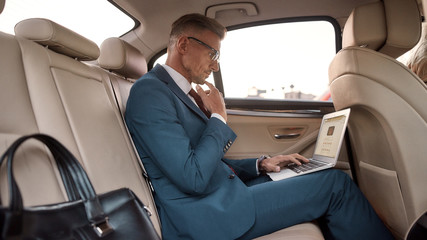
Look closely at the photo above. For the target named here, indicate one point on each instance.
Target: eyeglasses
(214, 54)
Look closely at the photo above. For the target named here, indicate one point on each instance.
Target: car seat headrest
(391, 27)
(122, 58)
(57, 38)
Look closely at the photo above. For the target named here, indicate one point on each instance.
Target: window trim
(333, 21)
(137, 23)
(156, 56)
(278, 106)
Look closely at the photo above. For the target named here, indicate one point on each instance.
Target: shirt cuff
(258, 161)
(216, 115)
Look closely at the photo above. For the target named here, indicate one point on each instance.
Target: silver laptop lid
(331, 135)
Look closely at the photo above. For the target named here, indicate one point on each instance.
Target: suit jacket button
(231, 176)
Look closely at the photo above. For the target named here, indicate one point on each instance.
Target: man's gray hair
(195, 23)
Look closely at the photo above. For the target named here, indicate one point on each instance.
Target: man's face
(200, 61)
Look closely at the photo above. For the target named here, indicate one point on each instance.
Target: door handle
(287, 136)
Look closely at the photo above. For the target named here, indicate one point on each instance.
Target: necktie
(199, 102)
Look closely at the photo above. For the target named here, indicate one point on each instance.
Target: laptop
(327, 149)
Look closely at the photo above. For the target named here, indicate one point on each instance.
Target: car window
(278, 61)
(94, 19)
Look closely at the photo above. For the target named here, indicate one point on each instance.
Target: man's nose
(215, 66)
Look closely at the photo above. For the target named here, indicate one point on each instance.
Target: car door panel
(266, 133)
(271, 135)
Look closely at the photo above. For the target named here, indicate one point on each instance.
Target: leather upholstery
(127, 65)
(57, 38)
(388, 123)
(122, 58)
(391, 27)
(303, 231)
(2, 3)
(52, 93)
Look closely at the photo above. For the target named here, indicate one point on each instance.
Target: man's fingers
(274, 164)
(200, 91)
(210, 85)
(292, 158)
(300, 158)
(296, 161)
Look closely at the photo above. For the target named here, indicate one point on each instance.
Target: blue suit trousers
(329, 196)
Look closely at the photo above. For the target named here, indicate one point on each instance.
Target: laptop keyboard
(305, 166)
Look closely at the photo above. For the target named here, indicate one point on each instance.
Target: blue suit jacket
(182, 151)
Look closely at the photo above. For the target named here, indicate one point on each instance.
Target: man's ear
(182, 44)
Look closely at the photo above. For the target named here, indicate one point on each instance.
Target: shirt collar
(180, 80)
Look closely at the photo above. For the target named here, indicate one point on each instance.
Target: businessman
(182, 136)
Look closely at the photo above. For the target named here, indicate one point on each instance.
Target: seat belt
(144, 172)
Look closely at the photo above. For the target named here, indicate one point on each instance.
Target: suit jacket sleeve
(245, 168)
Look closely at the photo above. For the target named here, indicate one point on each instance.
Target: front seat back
(2, 3)
(387, 127)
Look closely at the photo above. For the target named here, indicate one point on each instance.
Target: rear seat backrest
(55, 93)
(125, 62)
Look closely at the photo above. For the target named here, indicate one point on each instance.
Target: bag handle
(75, 179)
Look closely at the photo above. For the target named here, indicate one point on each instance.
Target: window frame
(136, 22)
(338, 39)
(282, 105)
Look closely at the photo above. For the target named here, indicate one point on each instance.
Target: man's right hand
(276, 163)
(213, 100)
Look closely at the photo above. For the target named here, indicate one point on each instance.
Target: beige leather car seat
(126, 64)
(387, 127)
(47, 88)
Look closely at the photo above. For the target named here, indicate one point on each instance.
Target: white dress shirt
(185, 86)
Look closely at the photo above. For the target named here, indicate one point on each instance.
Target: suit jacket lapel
(164, 76)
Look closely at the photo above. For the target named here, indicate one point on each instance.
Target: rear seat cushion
(58, 38)
(122, 58)
(303, 231)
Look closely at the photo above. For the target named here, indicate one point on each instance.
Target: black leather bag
(117, 214)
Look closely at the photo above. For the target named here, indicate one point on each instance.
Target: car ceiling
(155, 17)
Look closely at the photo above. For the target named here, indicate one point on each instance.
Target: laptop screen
(329, 139)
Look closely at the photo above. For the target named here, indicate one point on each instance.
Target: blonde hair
(418, 61)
